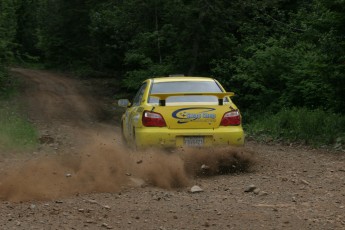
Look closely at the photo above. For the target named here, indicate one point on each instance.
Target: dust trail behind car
(89, 156)
(101, 168)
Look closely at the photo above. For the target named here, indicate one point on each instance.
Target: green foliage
(316, 127)
(108, 35)
(271, 53)
(296, 58)
(6, 83)
(152, 29)
(3, 79)
(16, 134)
(142, 69)
(63, 34)
(277, 75)
(298, 43)
(8, 27)
(26, 33)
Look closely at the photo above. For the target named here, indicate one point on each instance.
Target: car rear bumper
(163, 137)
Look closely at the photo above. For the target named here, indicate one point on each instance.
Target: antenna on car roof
(176, 75)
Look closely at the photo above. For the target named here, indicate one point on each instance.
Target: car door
(133, 113)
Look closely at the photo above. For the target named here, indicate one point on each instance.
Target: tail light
(231, 118)
(151, 119)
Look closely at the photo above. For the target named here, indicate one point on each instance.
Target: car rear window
(186, 86)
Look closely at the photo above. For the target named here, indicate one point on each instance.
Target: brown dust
(98, 162)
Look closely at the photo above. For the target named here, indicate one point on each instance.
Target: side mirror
(123, 103)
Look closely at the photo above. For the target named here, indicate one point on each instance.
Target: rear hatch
(192, 117)
(192, 111)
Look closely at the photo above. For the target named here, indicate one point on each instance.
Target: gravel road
(82, 177)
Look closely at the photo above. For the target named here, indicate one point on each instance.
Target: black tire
(124, 141)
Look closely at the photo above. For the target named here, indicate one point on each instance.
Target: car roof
(184, 78)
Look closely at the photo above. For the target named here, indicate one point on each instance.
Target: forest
(276, 55)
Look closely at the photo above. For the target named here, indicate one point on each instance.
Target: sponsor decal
(195, 114)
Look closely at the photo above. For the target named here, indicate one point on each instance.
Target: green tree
(295, 59)
(26, 33)
(63, 32)
(8, 26)
(272, 53)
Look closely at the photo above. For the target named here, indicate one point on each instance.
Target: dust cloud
(50, 177)
(99, 162)
(110, 167)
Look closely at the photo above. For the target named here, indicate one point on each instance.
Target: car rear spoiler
(163, 96)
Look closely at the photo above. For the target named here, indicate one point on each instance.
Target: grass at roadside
(16, 133)
(312, 127)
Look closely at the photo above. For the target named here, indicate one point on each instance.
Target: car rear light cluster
(152, 119)
(231, 118)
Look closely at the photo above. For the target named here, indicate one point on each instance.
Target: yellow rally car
(181, 111)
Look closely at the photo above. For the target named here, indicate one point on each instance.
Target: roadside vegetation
(300, 125)
(272, 54)
(17, 134)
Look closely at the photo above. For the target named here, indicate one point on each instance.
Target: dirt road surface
(82, 177)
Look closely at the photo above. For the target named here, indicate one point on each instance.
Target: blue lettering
(207, 115)
(193, 115)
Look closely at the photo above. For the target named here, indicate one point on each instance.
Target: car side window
(139, 96)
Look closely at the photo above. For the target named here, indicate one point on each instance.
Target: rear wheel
(133, 144)
(123, 138)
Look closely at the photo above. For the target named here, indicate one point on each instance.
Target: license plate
(193, 141)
